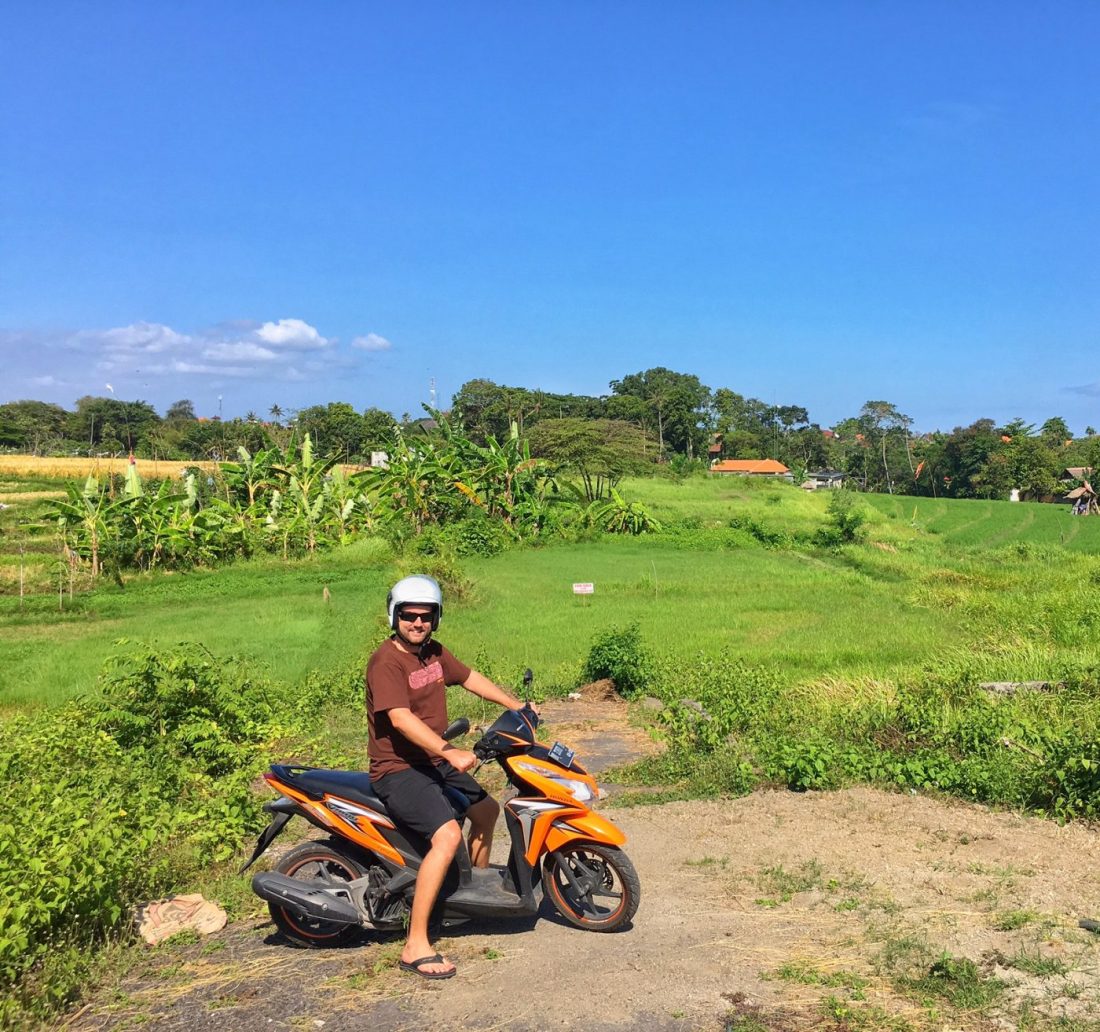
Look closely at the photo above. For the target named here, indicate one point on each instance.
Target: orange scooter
(364, 874)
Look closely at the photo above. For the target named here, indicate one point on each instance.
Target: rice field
(989, 524)
(80, 467)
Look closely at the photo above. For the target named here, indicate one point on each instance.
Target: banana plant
(418, 484)
(306, 479)
(618, 516)
(252, 474)
(87, 519)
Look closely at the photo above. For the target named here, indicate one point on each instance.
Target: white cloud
(137, 338)
(210, 369)
(237, 351)
(291, 333)
(277, 350)
(371, 342)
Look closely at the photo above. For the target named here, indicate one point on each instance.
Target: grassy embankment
(919, 590)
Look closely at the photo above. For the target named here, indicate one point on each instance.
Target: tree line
(653, 418)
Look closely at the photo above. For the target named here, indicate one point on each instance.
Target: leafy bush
(845, 521)
(767, 536)
(1034, 750)
(121, 797)
(184, 704)
(620, 655)
(478, 534)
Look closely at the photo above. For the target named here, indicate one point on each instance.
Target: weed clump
(845, 521)
(620, 655)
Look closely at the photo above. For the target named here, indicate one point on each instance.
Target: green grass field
(935, 578)
(268, 610)
(988, 524)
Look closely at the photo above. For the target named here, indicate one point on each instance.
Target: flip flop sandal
(416, 967)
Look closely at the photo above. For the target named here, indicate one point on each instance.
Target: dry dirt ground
(775, 911)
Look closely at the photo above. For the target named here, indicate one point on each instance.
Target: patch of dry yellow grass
(11, 497)
(48, 466)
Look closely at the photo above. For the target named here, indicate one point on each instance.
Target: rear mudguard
(282, 809)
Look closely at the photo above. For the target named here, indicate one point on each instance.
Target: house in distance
(752, 468)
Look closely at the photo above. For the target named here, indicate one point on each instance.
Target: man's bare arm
(480, 685)
(410, 726)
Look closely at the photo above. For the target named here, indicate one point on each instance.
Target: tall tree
(180, 410)
(677, 406)
(379, 433)
(335, 429)
(600, 451)
(31, 424)
(884, 423)
(1055, 432)
(111, 422)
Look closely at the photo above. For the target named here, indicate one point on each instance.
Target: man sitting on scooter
(411, 764)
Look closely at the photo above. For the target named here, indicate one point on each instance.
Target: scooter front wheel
(593, 887)
(321, 864)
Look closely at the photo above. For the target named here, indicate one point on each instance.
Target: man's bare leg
(483, 819)
(433, 869)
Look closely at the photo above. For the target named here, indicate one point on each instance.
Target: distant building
(752, 468)
(829, 478)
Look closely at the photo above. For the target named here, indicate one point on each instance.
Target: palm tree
(250, 417)
(276, 412)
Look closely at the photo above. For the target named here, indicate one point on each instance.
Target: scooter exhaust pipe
(297, 897)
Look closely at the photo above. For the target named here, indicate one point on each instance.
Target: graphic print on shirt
(426, 675)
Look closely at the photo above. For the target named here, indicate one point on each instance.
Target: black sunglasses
(407, 617)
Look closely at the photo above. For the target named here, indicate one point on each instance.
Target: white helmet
(417, 590)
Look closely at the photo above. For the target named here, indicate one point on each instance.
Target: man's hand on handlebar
(461, 759)
(531, 709)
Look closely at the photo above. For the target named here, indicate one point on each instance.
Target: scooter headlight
(579, 790)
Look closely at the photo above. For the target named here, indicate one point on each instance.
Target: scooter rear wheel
(315, 862)
(593, 887)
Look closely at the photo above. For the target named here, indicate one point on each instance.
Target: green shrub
(186, 704)
(120, 797)
(767, 536)
(618, 516)
(620, 655)
(845, 521)
(477, 534)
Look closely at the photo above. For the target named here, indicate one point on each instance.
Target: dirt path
(776, 911)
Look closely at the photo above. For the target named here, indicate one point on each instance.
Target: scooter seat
(348, 784)
(356, 786)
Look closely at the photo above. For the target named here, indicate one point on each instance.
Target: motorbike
(363, 875)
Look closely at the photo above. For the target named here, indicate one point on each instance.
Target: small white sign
(584, 589)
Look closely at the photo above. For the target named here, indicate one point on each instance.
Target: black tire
(315, 861)
(593, 887)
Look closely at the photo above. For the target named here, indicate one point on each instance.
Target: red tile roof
(749, 466)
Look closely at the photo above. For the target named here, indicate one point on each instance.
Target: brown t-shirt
(404, 680)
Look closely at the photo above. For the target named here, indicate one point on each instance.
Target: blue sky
(811, 203)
